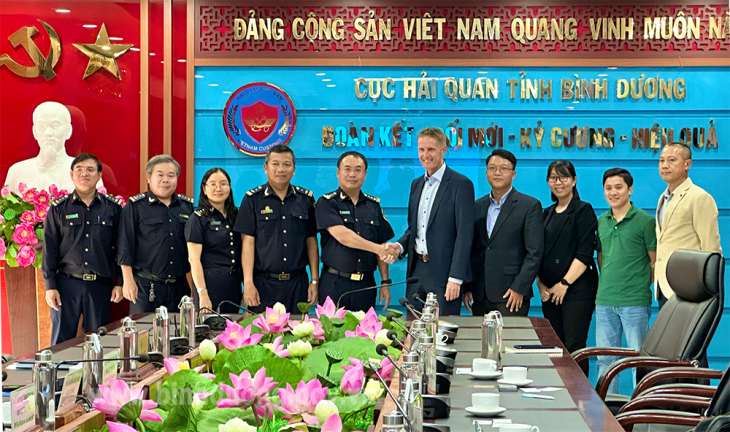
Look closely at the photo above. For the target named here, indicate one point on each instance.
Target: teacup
(441, 338)
(485, 401)
(483, 366)
(518, 428)
(516, 374)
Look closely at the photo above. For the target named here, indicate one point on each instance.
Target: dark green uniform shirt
(625, 278)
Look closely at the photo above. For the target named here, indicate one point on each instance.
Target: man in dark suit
(440, 226)
(508, 243)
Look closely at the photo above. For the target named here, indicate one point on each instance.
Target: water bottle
(93, 371)
(187, 320)
(44, 378)
(492, 337)
(393, 422)
(160, 340)
(428, 359)
(429, 318)
(410, 390)
(417, 329)
(128, 344)
(433, 302)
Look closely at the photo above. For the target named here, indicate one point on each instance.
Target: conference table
(576, 407)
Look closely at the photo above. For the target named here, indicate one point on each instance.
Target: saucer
(485, 375)
(518, 384)
(479, 412)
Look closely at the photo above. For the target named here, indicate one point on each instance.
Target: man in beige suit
(686, 216)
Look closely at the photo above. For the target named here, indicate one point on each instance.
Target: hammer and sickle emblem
(42, 65)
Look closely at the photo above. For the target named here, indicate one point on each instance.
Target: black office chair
(683, 398)
(683, 328)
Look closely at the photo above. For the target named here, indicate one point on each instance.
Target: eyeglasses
(223, 185)
(554, 179)
(500, 170)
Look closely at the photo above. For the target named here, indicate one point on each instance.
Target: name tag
(267, 210)
(184, 216)
(215, 222)
(72, 216)
(347, 212)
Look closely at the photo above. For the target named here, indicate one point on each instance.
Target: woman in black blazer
(568, 279)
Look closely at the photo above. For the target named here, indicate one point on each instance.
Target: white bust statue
(51, 128)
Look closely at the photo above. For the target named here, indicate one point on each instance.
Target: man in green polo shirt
(626, 255)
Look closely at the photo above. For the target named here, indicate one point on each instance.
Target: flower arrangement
(267, 374)
(21, 223)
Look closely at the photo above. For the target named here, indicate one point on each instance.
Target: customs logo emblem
(257, 117)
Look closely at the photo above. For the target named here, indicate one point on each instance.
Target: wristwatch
(314, 282)
(386, 282)
(565, 282)
(200, 289)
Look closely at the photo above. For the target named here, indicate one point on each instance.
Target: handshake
(389, 252)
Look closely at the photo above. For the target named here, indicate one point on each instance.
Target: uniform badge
(184, 216)
(215, 222)
(267, 210)
(347, 212)
(72, 216)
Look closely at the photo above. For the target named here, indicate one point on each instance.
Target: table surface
(576, 403)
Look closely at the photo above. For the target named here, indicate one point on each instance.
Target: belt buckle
(88, 277)
(356, 276)
(284, 276)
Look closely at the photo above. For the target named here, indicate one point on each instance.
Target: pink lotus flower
(355, 363)
(235, 336)
(28, 217)
(277, 348)
(173, 365)
(2, 219)
(42, 199)
(300, 404)
(247, 392)
(117, 394)
(3, 249)
(22, 187)
(30, 195)
(40, 213)
(352, 380)
(102, 190)
(53, 189)
(26, 256)
(120, 427)
(332, 424)
(271, 322)
(5, 191)
(386, 366)
(368, 327)
(24, 235)
(330, 310)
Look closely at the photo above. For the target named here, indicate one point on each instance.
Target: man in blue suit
(440, 226)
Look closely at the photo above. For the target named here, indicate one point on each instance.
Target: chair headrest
(695, 275)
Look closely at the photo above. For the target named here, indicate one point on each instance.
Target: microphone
(392, 318)
(395, 400)
(28, 364)
(405, 304)
(407, 281)
(383, 351)
(418, 298)
(102, 331)
(394, 337)
(5, 375)
(236, 305)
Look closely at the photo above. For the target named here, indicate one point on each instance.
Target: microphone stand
(395, 400)
(408, 281)
(404, 302)
(236, 305)
(390, 317)
(383, 351)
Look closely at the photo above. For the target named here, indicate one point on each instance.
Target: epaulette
(304, 191)
(372, 198)
(186, 198)
(137, 197)
(113, 199)
(59, 201)
(255, 190)
(199, 212)
(330, 195)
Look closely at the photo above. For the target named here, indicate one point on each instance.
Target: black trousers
(428, 282)
(485, 306)
(288, 292)
(334, 286)
(222, 283)
(571, 321)
(168, 295)
(90, 298)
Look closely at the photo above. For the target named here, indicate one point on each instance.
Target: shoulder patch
(137, 197)
(199, 212)
(255, 190)
(113, 199)
(303, 191)
(330, 195)
(186, 198)
(372, 198)
(59, 201)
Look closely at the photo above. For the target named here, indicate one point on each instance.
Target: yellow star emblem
(103, 54)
